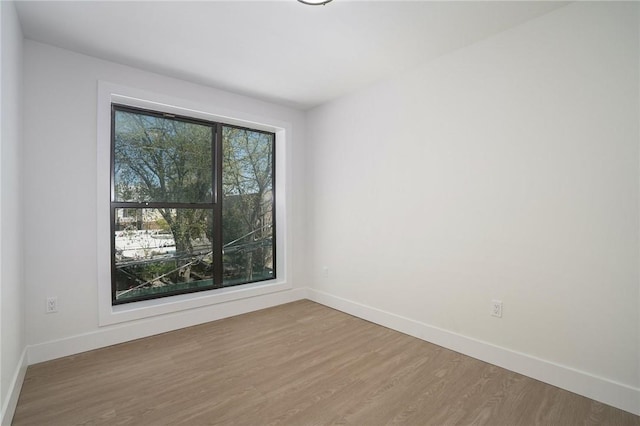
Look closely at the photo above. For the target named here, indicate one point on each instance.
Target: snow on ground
(144, 244)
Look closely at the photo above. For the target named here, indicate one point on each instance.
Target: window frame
(215, 205)
(274, 218)
(200, 304)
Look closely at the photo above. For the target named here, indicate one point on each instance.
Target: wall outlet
(52, 305)
(325, 271)
(496, 308)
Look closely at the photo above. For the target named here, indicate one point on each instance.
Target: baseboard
(125, 332)
(600, 389)
(10, 403)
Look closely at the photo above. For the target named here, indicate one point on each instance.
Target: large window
(192, 205)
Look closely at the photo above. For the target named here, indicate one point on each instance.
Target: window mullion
(161, 205)
(217, 209)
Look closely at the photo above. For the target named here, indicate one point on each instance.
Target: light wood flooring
(295, 364)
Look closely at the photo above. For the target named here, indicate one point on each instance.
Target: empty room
(320, 212)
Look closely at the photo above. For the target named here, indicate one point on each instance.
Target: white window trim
(109, 93)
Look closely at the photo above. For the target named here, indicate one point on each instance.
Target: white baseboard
(125, 332)
(11, 401)
(600, 389)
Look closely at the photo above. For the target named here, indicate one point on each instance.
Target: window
(192, 205)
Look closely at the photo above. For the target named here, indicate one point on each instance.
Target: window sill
(148, 308)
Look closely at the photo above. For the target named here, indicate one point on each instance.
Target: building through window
(192, 205)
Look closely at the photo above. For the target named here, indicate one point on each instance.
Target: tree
(167, 160)
(248, 196)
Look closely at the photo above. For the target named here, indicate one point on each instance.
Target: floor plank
(296, 364)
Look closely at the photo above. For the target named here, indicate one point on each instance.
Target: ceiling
(280, 51)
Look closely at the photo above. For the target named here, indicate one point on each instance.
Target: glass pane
(161, 159)
(247, 206)
(162, 250)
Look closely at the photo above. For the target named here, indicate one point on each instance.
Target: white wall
(508, 170)
(60, 209)
(12, 324)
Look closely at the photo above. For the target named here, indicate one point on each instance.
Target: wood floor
(295, 364)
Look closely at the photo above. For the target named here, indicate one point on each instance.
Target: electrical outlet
(52, 305)
(496, 308)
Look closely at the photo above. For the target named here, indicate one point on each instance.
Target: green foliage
(162, 224)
